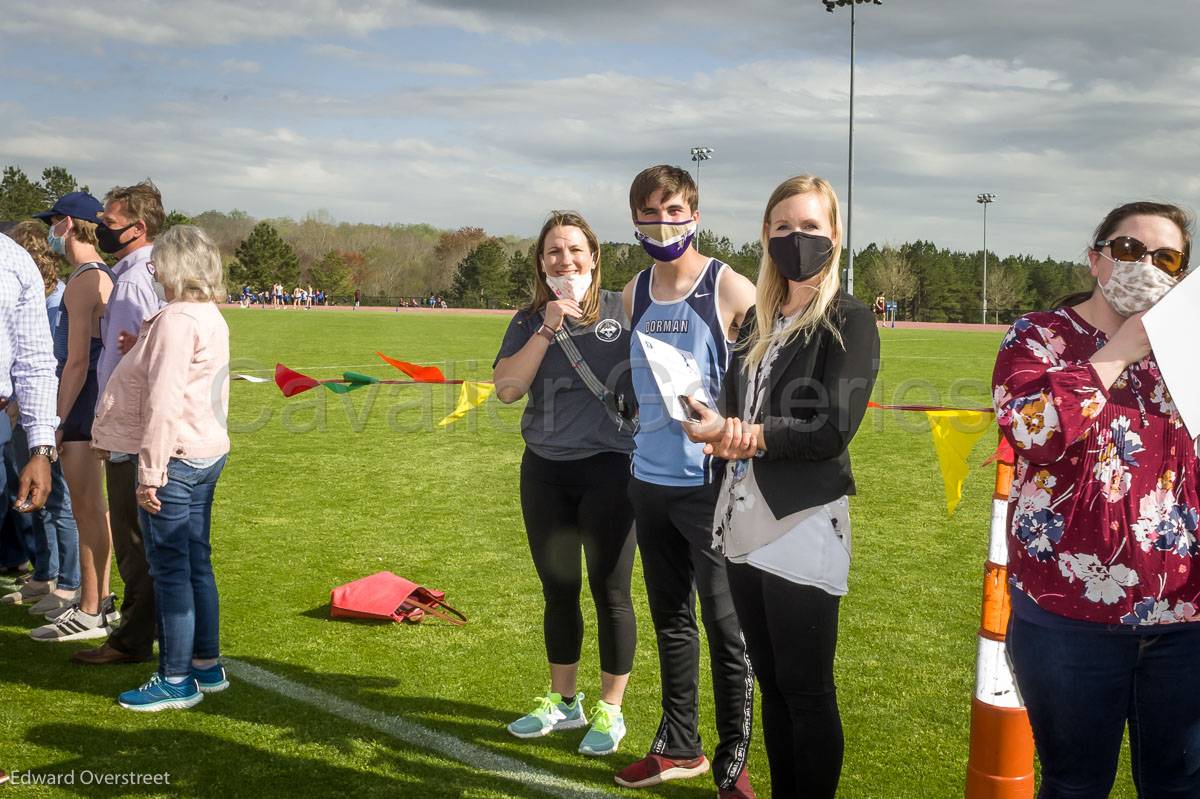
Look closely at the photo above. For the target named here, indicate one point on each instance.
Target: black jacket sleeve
(844, 390)
(729, 403)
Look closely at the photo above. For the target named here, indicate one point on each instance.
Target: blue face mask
(57, 243)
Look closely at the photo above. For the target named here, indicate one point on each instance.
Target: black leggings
(791, 635)
(573, 504)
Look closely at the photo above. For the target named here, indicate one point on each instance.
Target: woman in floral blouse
(1103, 556)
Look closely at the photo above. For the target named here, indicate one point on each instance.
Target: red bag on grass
(391, 597)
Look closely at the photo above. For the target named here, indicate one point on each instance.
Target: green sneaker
(608, 728)
(550, 714)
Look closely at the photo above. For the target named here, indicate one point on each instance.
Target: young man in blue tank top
(694, 303)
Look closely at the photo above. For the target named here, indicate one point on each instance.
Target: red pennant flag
(292, 383)
(421, 374)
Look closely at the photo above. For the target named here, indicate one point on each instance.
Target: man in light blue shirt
(27, 368)
(134, 298)
(132, 217)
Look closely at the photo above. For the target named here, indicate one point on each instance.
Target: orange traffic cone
(1000, 765)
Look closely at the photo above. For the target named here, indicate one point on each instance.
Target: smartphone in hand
(688, 411)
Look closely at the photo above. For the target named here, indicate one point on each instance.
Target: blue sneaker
(158, 694)
(608, 728)
(550, 714)
(211, 680)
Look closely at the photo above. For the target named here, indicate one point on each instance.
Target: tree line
(472, 268)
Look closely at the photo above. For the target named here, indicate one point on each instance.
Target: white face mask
(1134, 287)
(569, 287)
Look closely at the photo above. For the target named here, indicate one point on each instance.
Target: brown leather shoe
(105, 655)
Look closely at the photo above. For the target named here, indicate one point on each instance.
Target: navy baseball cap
(78, 204)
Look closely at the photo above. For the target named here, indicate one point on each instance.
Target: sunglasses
(1127, 248)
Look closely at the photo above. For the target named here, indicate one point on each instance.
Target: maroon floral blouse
(1104, 504)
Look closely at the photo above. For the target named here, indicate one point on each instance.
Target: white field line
(437, 743)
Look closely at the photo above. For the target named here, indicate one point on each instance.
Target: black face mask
(799, 256)
(109, 238)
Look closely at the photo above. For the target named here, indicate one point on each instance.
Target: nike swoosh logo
(705, 294)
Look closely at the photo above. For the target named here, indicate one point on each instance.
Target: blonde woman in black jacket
(794, 396)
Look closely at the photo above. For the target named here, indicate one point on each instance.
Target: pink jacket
(169, 395)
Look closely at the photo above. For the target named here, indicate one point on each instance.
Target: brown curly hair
(32, 236)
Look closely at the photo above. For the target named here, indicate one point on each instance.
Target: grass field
(321, 489)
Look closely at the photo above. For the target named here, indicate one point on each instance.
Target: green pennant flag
(354, 380)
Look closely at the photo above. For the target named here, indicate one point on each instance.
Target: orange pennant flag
(422, 374)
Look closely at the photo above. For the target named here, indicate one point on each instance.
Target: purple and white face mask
(665, 241)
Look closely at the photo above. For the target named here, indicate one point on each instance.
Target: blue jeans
(180, 558)
(1082, 685)
(55, 534)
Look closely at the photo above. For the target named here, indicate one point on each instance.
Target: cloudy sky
(492, 112)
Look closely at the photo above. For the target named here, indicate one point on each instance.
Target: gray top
(563, 420)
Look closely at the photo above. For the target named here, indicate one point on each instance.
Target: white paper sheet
(676, 374)
(1173, 326)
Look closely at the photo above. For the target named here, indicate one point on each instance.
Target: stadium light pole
(830, 5)
(985, 200)
(699, 155)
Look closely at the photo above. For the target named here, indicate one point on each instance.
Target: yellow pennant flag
(954, 436)
(471, 396)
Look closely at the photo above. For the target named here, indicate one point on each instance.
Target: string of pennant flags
(954, 431)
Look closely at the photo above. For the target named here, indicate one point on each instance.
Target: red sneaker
(740, 790)
(655, 769)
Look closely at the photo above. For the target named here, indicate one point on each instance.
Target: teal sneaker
(608, 728)
(158, 694)
(211, 680)
(550, 714)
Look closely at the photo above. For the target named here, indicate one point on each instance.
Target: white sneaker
(54, 604)
(108, 609)
(28, 594)
(72, 625)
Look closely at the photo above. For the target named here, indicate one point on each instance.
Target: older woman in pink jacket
(166, 404)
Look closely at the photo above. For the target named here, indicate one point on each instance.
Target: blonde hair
(541, 292)
(188, 262)
(141, 202)
(32, 237)
(772, 289)
(84, 231)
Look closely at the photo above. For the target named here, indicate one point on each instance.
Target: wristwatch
(547, 333)
(45, 449)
